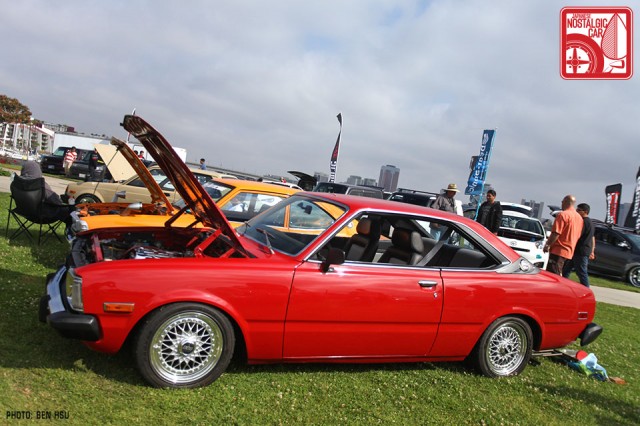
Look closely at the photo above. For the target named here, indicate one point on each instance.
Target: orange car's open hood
(157, 196)
(191, 191)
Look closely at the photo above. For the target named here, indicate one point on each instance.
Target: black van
(412, 196)
(345, 188)
(53, 163)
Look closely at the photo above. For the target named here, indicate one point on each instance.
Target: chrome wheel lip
(186, 347)
(506, 349)
(634, 276)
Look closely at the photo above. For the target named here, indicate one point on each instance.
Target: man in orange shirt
(564, 235)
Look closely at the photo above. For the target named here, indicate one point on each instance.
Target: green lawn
(40, 372)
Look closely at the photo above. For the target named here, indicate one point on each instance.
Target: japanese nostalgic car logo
(596, 43)
(513, 243)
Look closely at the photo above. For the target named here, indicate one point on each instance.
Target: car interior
(403, 240)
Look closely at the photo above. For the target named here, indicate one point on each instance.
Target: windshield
(293, 224)
(635, 239)
(335, 188)
(526, 224)
(216, 191)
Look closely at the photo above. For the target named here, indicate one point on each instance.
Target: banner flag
(478, 173)
(613, 193)
(333, 164)
(633, 217)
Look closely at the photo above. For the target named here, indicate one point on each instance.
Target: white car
(525, 235)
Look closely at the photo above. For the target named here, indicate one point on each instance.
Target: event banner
(613, 193)
(480, 166)
(633, 217)
(333, 164)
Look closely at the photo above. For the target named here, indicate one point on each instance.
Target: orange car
(240, 200)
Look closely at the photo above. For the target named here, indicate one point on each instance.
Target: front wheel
(86, 198)
(504, 348)
(634, 276)
(184, 345)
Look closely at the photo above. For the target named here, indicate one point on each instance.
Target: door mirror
(334, 257)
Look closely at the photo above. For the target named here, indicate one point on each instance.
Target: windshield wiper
(266, 237)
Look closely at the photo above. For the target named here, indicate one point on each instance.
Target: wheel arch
(240, 349)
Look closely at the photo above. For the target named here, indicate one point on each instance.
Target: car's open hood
(305, 181)
(191, 191)
(119, 146)
(119, 166)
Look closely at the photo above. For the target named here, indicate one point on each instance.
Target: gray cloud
(256, 86)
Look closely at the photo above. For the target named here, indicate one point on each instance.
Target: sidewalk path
(603, 294)
(616, 297)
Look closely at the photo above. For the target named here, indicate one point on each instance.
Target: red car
(189, 298)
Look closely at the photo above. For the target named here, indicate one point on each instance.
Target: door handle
(427, 283)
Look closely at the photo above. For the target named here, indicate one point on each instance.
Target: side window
(265, 201)
(304, 215)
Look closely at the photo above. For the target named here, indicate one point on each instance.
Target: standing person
(141, 155)
(490, 213)
(93, 165)
(444, 202)
(69, 157)
(202, 165)
(585, 248)
(566, 230)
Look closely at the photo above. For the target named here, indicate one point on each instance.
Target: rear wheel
(505, 348)
(86, 198)
(184, 345)
(634, 276)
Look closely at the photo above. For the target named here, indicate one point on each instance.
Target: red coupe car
(289, 286)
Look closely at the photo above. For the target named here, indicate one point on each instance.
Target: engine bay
(156, 243)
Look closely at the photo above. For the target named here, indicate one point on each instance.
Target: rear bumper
(54, 309)
(589, 334)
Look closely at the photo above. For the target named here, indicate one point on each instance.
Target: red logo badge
(596, 43)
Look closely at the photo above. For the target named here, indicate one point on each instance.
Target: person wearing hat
(444, 202)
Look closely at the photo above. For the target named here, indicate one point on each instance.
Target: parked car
(53, 163)
(188, 298)
(345, 188)
(617, 253)
(411, 196)
(240, 201)
(130, 190)
(80, 168)
(525, 235)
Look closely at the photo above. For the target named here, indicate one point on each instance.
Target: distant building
(538, 208)
(321, 177)
(354, 180)
(369, 182)
(389, 176)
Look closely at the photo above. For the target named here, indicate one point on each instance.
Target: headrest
(364, 226)
(407, 240)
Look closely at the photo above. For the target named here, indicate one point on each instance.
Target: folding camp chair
(27, 209)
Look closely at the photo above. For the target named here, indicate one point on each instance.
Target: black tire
(87, 198)
(633, 277)
(504, 348)
(184, 345)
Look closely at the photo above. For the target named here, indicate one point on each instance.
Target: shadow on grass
(624, 410)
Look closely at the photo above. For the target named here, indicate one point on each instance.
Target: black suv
(53, 163)
(412, 196)
(617, 253)
(345, 188)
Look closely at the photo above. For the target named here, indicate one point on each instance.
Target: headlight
(73, 286)
(539, 244)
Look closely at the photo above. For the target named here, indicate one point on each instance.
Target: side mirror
(334, 257)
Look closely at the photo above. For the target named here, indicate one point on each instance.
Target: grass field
(42, 374)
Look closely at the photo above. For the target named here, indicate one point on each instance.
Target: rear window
(334, 188)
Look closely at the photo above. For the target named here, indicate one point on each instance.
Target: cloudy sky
(256, 86)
